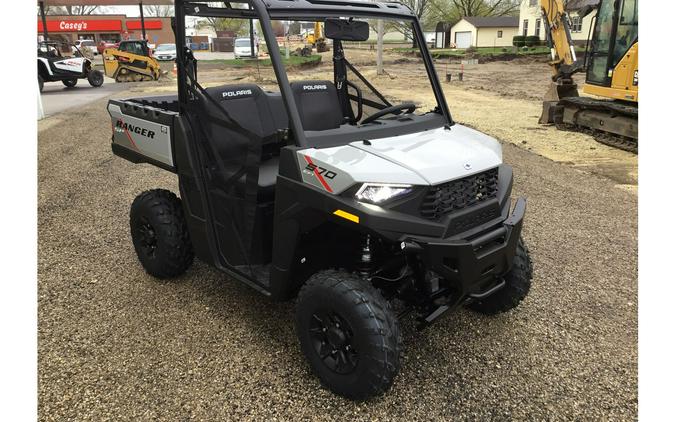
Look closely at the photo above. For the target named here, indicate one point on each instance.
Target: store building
(110, 28)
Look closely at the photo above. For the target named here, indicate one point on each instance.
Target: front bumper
(473, 266)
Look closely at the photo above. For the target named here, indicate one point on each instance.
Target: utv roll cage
(309, 10)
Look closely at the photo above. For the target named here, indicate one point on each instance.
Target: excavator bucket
(552, 111)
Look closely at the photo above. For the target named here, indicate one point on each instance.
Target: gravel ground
(115, 344)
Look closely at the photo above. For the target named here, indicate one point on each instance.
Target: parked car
(165, 52)
(106, 44)
(242, 48)
(87, 45)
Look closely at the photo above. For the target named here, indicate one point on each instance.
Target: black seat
(247, 105)
(318, 104)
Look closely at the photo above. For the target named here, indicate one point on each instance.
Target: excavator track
(605, 138)
(609, 122)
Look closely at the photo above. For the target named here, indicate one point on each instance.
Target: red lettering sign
(149, 24)
(81, 25)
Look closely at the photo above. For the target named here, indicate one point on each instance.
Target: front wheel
(70, 83)
(348, 333)
(517, 284)
(160, 234)
(95, 78)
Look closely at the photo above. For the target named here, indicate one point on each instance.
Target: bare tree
(421, 9)
(223, 24)
(454, 10)
(158, 11)
(73, 10)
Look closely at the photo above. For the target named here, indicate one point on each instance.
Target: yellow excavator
(611, 67)
(316, 38)
(131, 62)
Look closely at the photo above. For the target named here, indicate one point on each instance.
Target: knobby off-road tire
(518, 281)
(160, 234)
(70, 83)
(348, 333)
(95, 78)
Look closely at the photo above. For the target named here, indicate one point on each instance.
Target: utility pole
(140, 6)
(380, 42)
(44, 21)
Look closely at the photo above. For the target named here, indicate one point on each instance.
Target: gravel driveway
(115, 344)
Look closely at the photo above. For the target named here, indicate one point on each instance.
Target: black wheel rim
(148, 238)
(332, 339)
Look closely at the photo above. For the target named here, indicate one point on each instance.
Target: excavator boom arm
(564, 61)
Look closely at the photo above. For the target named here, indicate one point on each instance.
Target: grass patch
(292, 61)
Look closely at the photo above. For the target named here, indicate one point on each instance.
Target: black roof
(315, 8)
(578, 4)
(492, 21)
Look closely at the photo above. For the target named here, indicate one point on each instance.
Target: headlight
(376, 193)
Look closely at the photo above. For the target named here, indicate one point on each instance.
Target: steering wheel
(408, 107)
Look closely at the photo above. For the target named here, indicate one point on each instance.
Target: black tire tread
(167, 212)
(90, 78)
(518, 283)
(371, 306)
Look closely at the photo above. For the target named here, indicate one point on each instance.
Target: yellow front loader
(131, 62)
(611, 67)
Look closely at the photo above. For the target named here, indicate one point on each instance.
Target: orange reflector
(348, 216)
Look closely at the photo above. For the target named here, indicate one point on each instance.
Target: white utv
(60, 61)
(363, 210)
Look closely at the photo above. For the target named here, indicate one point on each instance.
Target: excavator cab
(612, 60)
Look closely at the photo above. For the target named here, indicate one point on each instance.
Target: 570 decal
(328, 174)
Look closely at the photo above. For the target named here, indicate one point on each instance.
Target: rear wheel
(95, 78)
(348, 333)
(41, 82)
(517, 284)
(160, 234)
(70, 82)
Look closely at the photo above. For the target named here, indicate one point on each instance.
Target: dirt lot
(115, 344)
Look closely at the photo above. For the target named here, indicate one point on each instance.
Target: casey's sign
(81, 25)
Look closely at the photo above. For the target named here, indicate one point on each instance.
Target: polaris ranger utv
(361, 208)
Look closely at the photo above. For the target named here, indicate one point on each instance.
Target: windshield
(166, 47)
(242, 42)
(398, 89)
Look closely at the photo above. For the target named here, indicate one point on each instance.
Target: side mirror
(347, 30)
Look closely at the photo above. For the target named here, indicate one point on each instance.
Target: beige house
(484, 31)
(531, 22)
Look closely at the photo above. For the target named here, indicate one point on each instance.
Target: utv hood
(424, 158)
(438, 155)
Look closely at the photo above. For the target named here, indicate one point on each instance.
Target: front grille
(459, 194)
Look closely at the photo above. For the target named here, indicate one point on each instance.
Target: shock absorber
(365, 266)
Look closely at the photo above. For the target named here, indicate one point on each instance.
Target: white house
(531, 21)
(484, 31)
